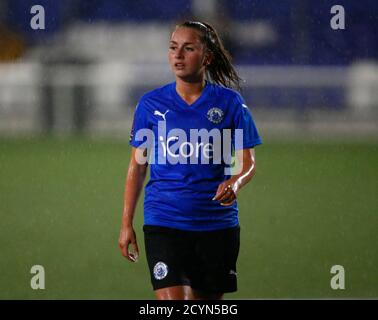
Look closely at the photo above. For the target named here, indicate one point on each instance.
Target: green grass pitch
(309, 207)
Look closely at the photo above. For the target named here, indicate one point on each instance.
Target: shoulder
(156, 94)
(227, 93)
(234, 102)
(152, 99)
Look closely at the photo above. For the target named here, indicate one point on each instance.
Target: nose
(179, 53)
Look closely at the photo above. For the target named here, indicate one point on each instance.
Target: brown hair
(220, 70)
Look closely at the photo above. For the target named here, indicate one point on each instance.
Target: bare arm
(228, 190)
(133, 186)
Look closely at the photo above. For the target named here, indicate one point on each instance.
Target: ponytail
(220, 70)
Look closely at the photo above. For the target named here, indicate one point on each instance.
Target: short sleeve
(140, 124)
(245, 133)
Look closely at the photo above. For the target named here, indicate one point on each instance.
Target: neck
(189, 91)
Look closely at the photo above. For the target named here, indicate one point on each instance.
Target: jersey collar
(196, 103)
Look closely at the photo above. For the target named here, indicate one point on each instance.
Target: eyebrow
(174, 42)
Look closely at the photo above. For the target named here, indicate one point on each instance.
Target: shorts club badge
(160, 270)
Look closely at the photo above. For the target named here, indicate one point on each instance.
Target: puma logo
(233, 272)
(158, 113)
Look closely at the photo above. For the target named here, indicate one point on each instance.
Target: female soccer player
(191, 225)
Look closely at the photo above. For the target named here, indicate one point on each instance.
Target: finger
(228, 199)
(228, 192)
(229, 202)
(124, 246)
(219, 191)
(134, 254)
(222, 189)
(124, 249)
(227, 195)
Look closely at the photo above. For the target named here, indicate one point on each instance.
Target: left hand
(226, 192)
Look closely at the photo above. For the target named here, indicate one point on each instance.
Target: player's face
(187, 54)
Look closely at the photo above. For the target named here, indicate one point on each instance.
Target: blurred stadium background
(67, 96)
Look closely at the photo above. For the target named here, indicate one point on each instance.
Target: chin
(182, 72)
(182, 75)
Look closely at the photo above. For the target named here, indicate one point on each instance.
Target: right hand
(127, 237)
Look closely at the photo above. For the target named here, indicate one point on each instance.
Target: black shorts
(204, 260)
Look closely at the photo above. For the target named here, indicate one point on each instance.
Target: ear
(208, 59)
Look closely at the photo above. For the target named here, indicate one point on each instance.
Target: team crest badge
(160, 270)
(215, 115)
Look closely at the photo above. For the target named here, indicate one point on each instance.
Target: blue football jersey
(190, 149)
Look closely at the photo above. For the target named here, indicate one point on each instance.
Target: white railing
(101, 97)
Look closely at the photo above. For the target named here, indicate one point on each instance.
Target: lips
(179, 65)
